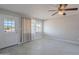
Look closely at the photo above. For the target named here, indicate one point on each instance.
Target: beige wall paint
(64, 27)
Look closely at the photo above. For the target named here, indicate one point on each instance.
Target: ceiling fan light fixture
(61, 12)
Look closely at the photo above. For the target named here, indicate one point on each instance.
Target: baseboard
(65, 40)
(69, 41)
(8, 46)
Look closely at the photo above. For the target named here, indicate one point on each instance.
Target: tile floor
(42, 47)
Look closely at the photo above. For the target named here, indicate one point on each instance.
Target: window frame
(9, 23)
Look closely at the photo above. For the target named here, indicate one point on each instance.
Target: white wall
(8, 39)
(63, 27)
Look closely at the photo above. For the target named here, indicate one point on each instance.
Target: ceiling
(36, 10)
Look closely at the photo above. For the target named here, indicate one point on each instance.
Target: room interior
(36, 29)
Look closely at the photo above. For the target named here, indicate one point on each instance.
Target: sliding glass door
(37, 29)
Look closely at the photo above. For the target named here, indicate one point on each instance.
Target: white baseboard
(69, 41)
(65, 40)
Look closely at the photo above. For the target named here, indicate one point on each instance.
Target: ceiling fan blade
(71, 9)
(52, 10)
(54, 13)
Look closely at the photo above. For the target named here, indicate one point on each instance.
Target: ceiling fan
(62, 8)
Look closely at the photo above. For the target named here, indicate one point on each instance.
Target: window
(36, 26)
(9, 25)
(33, 26)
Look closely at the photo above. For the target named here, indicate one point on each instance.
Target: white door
(9, 31)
